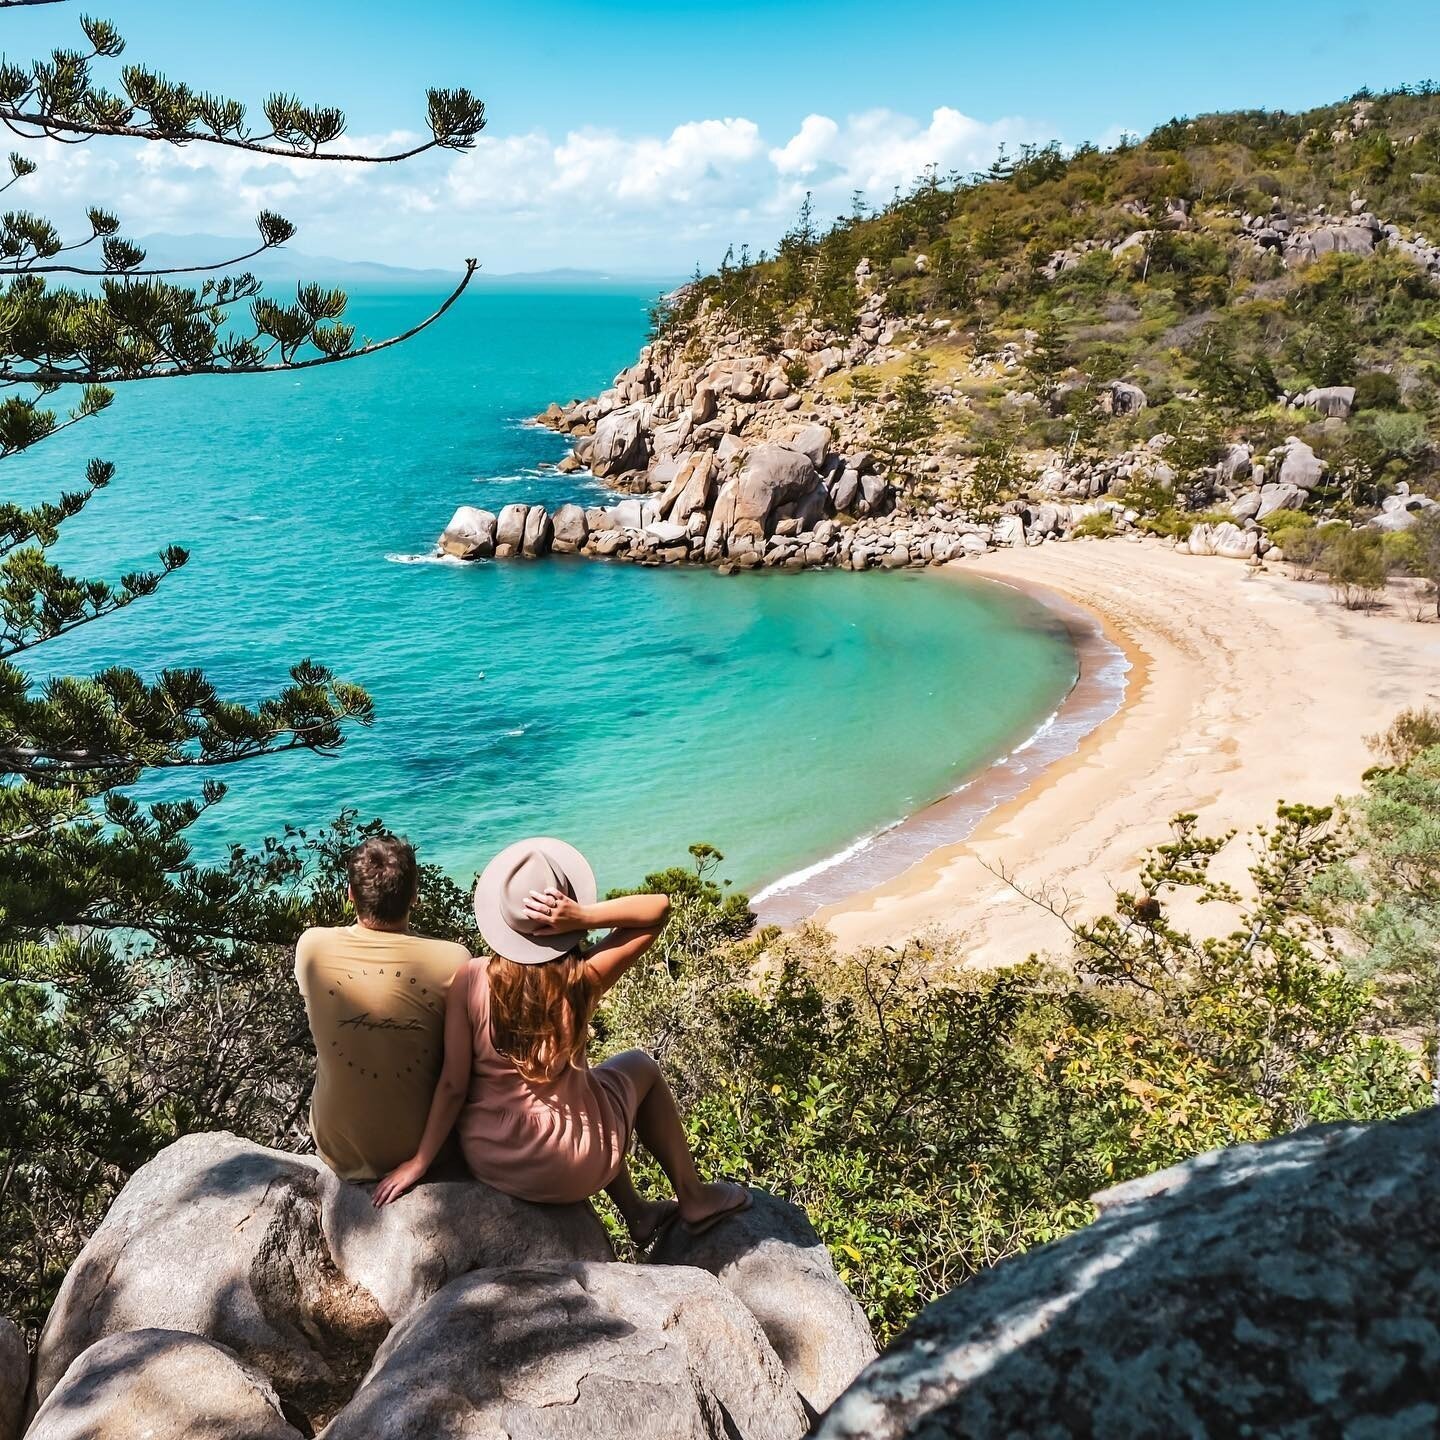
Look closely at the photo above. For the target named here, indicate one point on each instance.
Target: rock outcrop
(294, 1270)
(772, 1260)
(607, 1352)
(742, 458)
(1290, 1288)
(470, 535)
(238, 1293)
(161, 1385)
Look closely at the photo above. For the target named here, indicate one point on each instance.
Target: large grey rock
(875, 494)
(619, 444)
(1279, 496)
(628, 514)
(14, 1378)
(1247, 506)
(1223, 539)
(1306, 245)
(1335, 402)
(1234, 463)
(772, 476)
(1285, 1289)
(845, 490)
(812, 441)
(510, 527)
(470, 535)
(1300, 466)
(692, 488)
(577, 1352)
(1123, 398)
(772, 1260)
(161, 1385)
(1009, 530)
(538, 534)
(570, 529)
(293, 1269)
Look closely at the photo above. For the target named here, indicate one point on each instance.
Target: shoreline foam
(1103, 667)
(1247, 689)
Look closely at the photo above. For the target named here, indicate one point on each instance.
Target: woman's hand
(399, 1180)
(555, 913)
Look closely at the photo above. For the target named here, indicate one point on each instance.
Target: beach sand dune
(1247, 688)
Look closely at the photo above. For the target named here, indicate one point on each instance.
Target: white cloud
(810, 144)
(594, 197)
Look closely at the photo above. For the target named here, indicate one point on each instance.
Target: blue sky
(646, 137)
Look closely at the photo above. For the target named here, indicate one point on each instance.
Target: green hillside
(1225, 264)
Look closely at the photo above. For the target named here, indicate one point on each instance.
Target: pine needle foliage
(143, 993)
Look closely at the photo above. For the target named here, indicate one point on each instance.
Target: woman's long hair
(540, 1014)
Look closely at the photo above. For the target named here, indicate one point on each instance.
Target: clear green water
(631, 711)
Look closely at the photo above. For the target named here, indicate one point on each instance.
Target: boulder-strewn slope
(234, 1291)
(1224, 332)
(1290, 1288)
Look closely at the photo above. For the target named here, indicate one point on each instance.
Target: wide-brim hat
(538, 864)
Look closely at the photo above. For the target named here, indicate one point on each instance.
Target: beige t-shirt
(376, 1003)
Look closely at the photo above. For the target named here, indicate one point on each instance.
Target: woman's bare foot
(648, 1220)
(710, 1203)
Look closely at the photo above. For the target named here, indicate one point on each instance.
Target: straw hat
(539, 864)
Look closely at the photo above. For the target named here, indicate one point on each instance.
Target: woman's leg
(643, 1218)
(657, 1122)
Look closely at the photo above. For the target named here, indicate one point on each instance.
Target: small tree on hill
(998, 470)
(908, 428)
(114, 942)
(1048, 359)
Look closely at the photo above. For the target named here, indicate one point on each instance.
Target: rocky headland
(736, 455)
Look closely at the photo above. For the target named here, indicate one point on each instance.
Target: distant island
(287, 264)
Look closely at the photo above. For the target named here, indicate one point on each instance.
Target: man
(375, 997)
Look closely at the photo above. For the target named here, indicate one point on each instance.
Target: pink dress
(554, 1143)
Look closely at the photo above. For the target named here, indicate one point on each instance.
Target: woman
(535, 1119)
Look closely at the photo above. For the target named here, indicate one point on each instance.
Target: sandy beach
(1246, 688)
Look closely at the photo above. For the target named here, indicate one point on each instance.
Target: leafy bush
(1099, 526)
(1376, 390)
(933, 1121)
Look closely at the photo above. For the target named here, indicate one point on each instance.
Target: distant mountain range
(286, 264)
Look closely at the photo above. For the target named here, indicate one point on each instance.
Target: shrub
(934, 1121)
(1375, 390)
(1357, 564)
(1099, 526)
(1283, 520)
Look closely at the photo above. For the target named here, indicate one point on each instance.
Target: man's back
(376, 1003)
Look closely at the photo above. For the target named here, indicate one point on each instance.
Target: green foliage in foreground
(933, 1121)
(142, 994)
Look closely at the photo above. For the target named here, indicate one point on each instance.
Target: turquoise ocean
(782, 718)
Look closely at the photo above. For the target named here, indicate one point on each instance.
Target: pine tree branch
(55, 375)
(55, 127)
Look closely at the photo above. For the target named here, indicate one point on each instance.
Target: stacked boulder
(247, 1294)
(783, 502)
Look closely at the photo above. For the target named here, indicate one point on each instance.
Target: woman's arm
(450, 1092)
(636, 922)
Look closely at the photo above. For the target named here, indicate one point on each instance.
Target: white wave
(1040, 734)
(516, 733)
(809, 872)
(430, 558)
